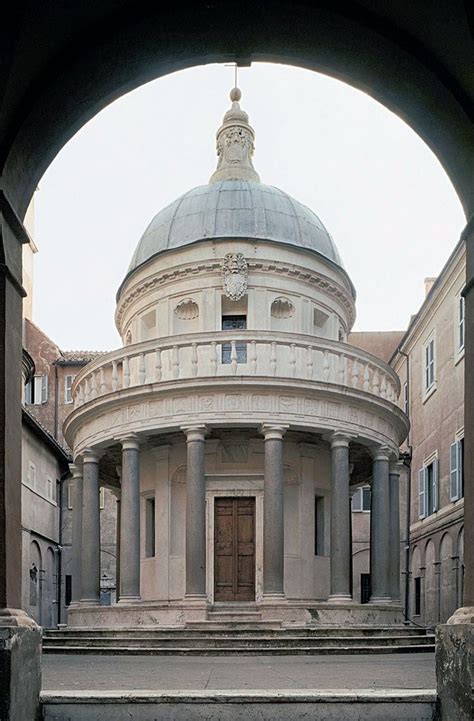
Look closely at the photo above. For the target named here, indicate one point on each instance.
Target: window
(234, 322)
(417, 596)
(461, 328)
(68, 589)
(457, 470)
(405, 398)
(429, 364)
(428, 489)
(36, 391)
(365, 589)
(361, 499)
(149, 527)
(31, 474)
(319, 526)
(68, 381)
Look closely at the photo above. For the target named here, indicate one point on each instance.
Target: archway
(35, 601)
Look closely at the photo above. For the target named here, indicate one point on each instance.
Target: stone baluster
(253, 357)
(130, 521)
(376, 383)
(141, 369)
(90, 530)
(102, 382)
(273, 509)
(366, 385)
(233, 357)
(114, 376)
(355, 374)
(341, 542)
(195, 513)
(158, 365)
(380, 527)
(126, 372)
(175, 361)
(194, 360)
(326, 366)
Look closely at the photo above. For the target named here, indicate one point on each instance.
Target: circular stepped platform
(242, 641)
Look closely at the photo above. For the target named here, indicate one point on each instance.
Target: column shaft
(130, 522)
(341, 542)
(77, 502)
(273, 513)
(394, 502)
(380, 530)
(90, 530)
(117, 553)
(195, 514)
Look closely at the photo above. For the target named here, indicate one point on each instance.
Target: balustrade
(203, 355)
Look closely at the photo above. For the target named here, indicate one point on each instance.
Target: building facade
(430, 364)
(236, 420)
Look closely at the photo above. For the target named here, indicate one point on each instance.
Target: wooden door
(234, 549)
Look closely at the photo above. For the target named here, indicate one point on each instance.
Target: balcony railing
(263, 353)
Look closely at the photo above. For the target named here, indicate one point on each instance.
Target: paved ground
(88, 672)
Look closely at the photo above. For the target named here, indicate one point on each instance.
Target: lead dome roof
(234, 204)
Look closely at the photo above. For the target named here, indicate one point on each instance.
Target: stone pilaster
(77, 502)
(130, 522)
(273, 510)
(380, 528)
(90, 530)
(341, 542)
(195, 514)
(394, 503)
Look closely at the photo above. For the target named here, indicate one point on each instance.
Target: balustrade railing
(242, 353)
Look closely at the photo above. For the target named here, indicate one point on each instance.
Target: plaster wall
(234, 466)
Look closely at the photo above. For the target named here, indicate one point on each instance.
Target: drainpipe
(60, 549)
(407, 463)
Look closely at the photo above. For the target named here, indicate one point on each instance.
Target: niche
(186, 316)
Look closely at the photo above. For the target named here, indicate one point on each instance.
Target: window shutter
(44, 388)
(454, 472)
(435, 488)
(422, 493)
(460, 445)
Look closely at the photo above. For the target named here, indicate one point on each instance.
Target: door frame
(231, 492)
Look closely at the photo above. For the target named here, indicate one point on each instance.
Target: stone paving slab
(165, 673)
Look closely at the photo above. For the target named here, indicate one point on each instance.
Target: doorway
(234, 549)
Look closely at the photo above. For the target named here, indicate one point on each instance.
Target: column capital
(90, 455)
(395, 468)
(339, 439)
(381, 453)
(130, 442)
(196, 432)
(272, 431)
(76, 469)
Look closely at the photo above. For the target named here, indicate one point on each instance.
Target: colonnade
(384, 528)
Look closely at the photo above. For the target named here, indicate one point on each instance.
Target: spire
(235, 145)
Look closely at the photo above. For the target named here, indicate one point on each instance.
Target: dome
(234, 204)
(234, 209)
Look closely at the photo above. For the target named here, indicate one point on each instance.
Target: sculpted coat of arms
(235, 271)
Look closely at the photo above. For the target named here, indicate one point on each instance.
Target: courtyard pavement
(90, 672)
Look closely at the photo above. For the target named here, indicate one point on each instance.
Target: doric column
(90, 530)
(130, 521)
(380, 527)
(273, 520)
(76, 549)
(341, 541)
(394, 502)
(195, 513)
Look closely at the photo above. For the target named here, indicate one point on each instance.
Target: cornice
(214, 267)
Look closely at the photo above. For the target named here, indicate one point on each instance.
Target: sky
(376, 186)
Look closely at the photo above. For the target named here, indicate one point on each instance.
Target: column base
(196, 599)
(128, 600)
(89, 602)
(274, 598)
(380, 599)
(340, 598)
(20, 665)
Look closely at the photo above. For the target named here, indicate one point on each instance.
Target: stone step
(241, 641)
(256, 650)
(281, 705)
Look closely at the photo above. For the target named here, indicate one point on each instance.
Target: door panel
(234, 549)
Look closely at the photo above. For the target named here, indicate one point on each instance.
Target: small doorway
(234, 549)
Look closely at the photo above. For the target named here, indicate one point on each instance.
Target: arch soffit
(414, 85)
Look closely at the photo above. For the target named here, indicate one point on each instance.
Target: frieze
(324, 283)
